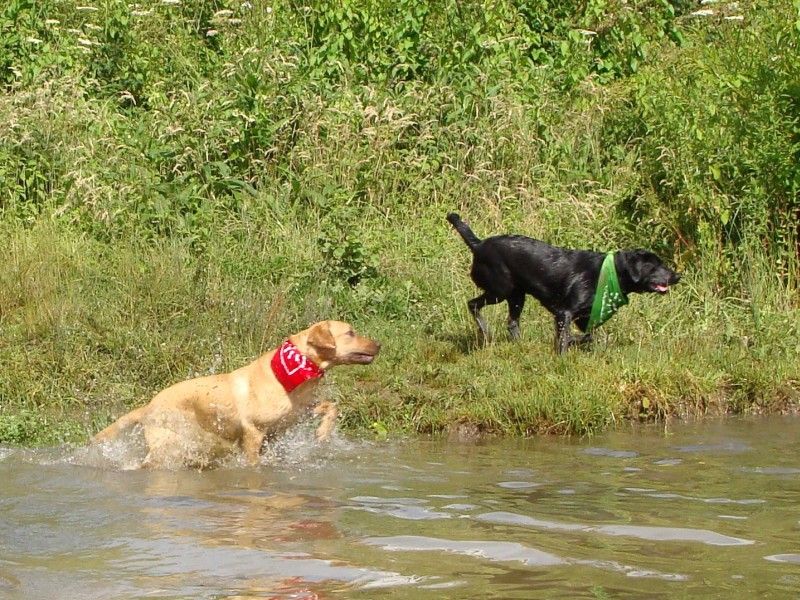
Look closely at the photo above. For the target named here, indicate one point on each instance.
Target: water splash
(297, 448)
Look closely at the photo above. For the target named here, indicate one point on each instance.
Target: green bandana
(608, 297)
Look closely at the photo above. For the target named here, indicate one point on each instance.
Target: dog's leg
(123, 423)
(252, 440)
(164, 448)
(563, 336)
(329, 413)
(475, 305)
(515, 304)
(585, 339)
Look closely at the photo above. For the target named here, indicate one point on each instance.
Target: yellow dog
(196, 421)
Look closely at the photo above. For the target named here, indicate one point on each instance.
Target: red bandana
(291, 368)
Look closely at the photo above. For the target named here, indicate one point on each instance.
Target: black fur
(507, 267)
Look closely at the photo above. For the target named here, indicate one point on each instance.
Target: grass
(174, 202)
(91, 331)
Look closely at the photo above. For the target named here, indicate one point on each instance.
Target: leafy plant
(346, 258)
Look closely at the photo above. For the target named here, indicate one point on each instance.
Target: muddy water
(702, 511)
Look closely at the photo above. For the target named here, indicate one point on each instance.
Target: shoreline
(427, 380)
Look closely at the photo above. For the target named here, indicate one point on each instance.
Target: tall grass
(181, 185)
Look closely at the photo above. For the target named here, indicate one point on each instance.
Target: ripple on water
(597, 451)
(520, 472)
(461, 507)
(495, 551)
(772, 470)
(793, 559)
(167, 557)
(505, 552)
(674, 534)
(518, 485)
(403, 508)
(658, 534)
(731, 446)
(673, 496)
(448, 496)
(668, 462)
(379, 500)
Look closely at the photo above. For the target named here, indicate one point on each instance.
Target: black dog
(506, 267)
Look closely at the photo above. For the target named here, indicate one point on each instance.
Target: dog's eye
(350, 333)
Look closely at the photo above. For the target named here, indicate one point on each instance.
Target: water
(703, 511)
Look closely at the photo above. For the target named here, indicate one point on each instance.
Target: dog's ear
(321, 339)
(635, 264)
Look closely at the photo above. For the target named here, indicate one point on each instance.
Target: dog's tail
(124, 423)
(470, 239)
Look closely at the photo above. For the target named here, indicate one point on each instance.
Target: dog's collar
(608, 296)
(292, 368)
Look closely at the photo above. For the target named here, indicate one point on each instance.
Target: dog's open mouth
(661, 288)
(360, 358)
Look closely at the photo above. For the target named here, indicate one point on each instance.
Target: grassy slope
(93, 330)
(142, 258)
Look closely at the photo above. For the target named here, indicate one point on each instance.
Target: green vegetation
(183, 183)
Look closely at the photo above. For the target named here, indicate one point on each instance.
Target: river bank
(91, 330)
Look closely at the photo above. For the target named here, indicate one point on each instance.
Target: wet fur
(196, 421)
(509, 267)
